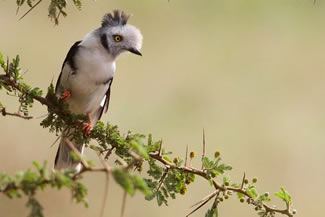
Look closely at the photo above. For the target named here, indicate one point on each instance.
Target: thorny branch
(217, 185)
(158, 156)
(4, 112)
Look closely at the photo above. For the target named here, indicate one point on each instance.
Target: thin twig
(205, 202)
(8, 81)
(109, 152)
(108, 169)
(56, 140)
(205, 198)
(7, 71)
(186, 153)
(137, 158)
(162, 179)
(123, 204)
(243, 182)
(82, 161)
(160, 148)
(30, 10)
(203, 143)
(16, 114)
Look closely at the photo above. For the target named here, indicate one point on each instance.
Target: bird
(87, 74)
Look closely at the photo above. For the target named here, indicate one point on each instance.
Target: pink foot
(66, 95)
(87, 128)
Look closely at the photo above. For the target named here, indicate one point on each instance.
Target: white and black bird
(87, 75)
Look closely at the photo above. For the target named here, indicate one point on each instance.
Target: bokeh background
(251, 73)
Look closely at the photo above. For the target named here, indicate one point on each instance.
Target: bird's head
(117, 36)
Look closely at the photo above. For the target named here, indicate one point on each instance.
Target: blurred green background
(250, 72)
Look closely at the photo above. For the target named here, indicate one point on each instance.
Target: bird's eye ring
(117, 38)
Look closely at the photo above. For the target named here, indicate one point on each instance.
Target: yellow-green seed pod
(217, 154)
(183, 191)
(192, 154)
(254, 180)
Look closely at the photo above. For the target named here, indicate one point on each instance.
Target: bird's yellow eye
(117, 38)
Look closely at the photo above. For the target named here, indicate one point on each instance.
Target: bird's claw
(66, 95)
(87, 128)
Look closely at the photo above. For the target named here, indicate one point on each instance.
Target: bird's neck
(93, 44)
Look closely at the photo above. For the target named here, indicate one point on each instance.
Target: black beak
(135, 51)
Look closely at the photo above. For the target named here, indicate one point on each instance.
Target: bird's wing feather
(104, 107)
(69, 59)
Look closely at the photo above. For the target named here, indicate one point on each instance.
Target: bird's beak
(135, 51)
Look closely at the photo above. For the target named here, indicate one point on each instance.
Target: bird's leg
(87, 126)
(66, 95)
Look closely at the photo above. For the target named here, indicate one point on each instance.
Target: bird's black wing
(106, 104)
(70, 60)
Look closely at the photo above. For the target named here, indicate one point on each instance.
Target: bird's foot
(66, 95)
(87, 128)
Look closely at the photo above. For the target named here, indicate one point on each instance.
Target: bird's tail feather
(63, 159)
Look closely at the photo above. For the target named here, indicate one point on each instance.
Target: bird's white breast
(89, 83)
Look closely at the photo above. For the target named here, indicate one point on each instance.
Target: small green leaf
(240, 195)
(261, 213)
(2, 62)
(36, 208)
(167, 159)
(207, 163)
(140, 184)
(37, 165)
(284, 195)
(124, 179)
(251, 191)
(139, 149)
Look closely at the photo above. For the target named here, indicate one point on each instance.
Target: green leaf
(167, 159)
(149, 139)
(139, 149)
(284, 195)
(213, 212)
(240, 195)
(79, 193)
(223, 167)
(226, 179)
(251, 191)
(2, 62)
(140, 184)
(37, 165)
(36, 208)
(124, 179)
(207, 163)
(235, 185)
(261, 213)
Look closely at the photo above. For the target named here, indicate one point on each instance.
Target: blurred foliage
(55, 9)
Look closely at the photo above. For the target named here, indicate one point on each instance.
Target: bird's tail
(63, 159)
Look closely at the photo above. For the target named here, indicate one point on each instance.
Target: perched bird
(87, 75)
